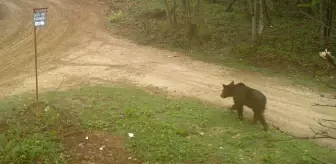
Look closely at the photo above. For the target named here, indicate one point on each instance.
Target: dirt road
(76, 46)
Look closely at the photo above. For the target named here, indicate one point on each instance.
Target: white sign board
(39, 18)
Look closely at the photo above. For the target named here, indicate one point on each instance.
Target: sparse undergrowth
(166, 131)
(26, 134)
(289, 48)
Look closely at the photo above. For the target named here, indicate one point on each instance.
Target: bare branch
(317, 104)
(328, 85)
(304, 138)
(326, 126)
(314, 158)
(328, 97)
(328, 120)
(318, 21)
(57, 89)
(321, 134)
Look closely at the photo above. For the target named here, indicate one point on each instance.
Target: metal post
(39, 19)
(36, 75)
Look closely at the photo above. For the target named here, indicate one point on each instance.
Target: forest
(277, 36)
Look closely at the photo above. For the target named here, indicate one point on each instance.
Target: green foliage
(166, 130)
(34, 148)
(27, 138)
(182, 130)
(310, 3)
(290, 46)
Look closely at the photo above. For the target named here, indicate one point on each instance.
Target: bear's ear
(232, 83)
(223, 85)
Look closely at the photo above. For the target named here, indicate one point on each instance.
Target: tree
(326, 8)
(174, 13)
(168, 13)
(326, 17)
(327, 20)
(263, 10)
(261, 16)
(186, 10)
(254, 11)
(306, 4)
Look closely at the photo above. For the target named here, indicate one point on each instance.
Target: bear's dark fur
(244, 95)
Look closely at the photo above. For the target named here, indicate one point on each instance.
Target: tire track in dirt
(61, 31)
(75, 46)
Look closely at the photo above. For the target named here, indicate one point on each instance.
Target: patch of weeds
(114, 17)
(33, 148)
(149, 6)
(30, 136)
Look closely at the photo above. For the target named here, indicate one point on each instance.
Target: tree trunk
(254, 19)
(261, 17)
(322, 20)
(328, 22)
(168, 13)
(174, 13)
(309, 9)
(198, 7)
(189, 11)
(247, 6)
(184, 6)
(198, 12)
(269, 23)
(298, 2)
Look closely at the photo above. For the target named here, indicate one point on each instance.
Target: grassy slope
(166, 130)
(288, 49)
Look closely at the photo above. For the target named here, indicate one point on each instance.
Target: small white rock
(131, 135)
(236, 136)
(86, 137)
(202, 133)
(81, 145)
(101, 148)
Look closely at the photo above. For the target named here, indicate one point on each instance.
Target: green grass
(167, 130)
(290, 49)
(23, 135)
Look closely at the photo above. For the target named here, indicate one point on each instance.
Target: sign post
(39, 22)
